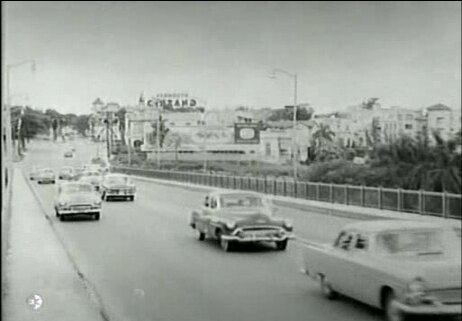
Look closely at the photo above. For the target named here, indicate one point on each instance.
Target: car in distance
(66, 173)
(33, 173)
(117, 186)
(92, 177)
(46, 175)
(68, 154)
(403, 267)
(77, 198)
(240, 217)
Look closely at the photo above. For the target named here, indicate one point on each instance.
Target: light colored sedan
(403, 267)
(76, 198)
(46, 175)
(117, 186)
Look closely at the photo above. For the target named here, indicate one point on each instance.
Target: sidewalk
(36, 263)
(341, 210)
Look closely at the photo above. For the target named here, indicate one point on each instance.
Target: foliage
(287, 114)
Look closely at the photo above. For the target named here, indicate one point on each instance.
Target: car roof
(375, 226)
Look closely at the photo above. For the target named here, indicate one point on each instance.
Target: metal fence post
(379, 197)
(361, 195)
(317, 191)
(444, 204)
(399, 199)
(265, 185)
(295, 189)
(275, 187)
(421, 211)
(331, 193)
(346, 194)
(285, 188)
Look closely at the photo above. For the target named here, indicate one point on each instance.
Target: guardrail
(444, 205)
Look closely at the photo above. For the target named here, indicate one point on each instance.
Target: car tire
(282, 245)
(392, 313)
(96, 216)
(132, 198)
(200, 235)
(52, 182)
(39, 182)
(327, 289)
(226, 245)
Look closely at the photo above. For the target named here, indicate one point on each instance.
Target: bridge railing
(445, 205)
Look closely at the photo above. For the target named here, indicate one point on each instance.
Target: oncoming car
(46, 175)
(240, 217)
(76, 198)
(117, 186)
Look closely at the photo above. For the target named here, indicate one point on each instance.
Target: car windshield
(240, 200)
(117, 180)
(76, 188)
(66, 169)
(418, 242)
(91, 174)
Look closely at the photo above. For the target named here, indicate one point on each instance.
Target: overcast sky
(407, 54)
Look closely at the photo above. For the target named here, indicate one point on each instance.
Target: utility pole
(108, 147)
(159, 118)
(129, 141)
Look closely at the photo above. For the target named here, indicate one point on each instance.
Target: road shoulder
(37, 264)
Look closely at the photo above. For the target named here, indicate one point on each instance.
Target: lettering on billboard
(246, 133)
(172, 100)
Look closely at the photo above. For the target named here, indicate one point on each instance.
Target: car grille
(260, 232)
(80, 207)
(447, 296)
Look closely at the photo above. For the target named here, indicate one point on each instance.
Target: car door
(203, 216)
(341, 270)
(366, 275)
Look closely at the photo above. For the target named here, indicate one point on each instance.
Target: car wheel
(96, 216)
(200, 235)
(132, 198)
(226, 245)
(327, 289)
(39, 182)
(392, 312)
(281, 245)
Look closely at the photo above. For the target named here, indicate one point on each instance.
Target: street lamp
(294, 153)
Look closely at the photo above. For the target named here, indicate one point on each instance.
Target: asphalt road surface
(145, 263)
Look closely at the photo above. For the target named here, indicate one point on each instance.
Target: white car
(76, 198)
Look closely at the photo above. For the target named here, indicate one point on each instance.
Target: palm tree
(322, 141)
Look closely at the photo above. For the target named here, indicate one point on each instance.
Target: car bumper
(46, 180)
(122, 194)
(257, 238)
(79, 212)
(430, 309)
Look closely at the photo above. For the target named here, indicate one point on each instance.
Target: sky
(405, 53)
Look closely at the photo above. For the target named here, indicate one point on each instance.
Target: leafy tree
(82, 124)
(152, 136)
(303, 113)
(120, 114)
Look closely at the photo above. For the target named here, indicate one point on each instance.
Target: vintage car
(117, 186)
(77, 198)
(69, 153)
(33, 173)
(239, 217)
(46, 175)
(66, 173)
(403, 267)
(92, 177)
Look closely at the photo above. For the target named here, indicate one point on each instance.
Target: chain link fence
(444, 205)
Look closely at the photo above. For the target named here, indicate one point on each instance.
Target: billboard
(174, 101)
(246, 133)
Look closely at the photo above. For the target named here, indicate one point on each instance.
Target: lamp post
(204, 142)
(294, 125)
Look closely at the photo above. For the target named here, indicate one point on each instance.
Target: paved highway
(145, 263)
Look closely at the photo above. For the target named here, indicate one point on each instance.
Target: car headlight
(231, 225)
(97, 203)
(288, 224)
(416, 286)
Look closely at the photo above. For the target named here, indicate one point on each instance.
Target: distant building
(443, 120)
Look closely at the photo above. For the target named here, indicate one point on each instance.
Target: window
(268, 149)
(344, 240)
(362, 242)
(408, 126)
(439, 120)
(213, 203)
